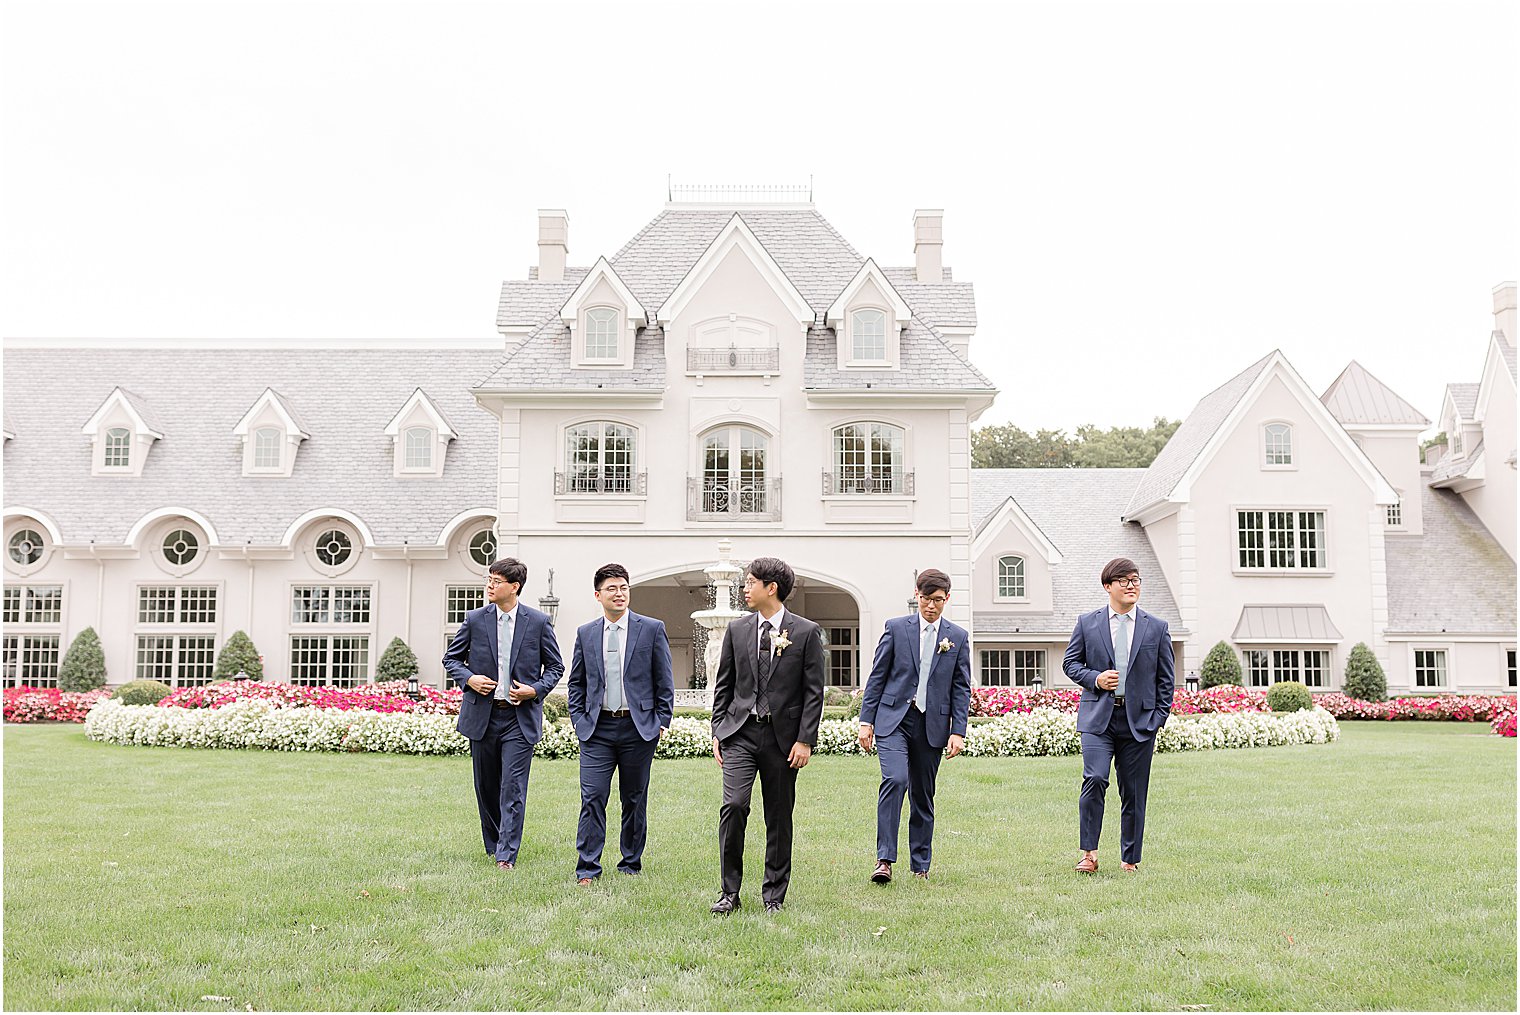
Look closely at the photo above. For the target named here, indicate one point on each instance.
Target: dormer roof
(1358, 398)
(133, 405)
(603, 271)
(868, 272)
(420, 398)
(1011, 513)
(1464, 399)
(736, 235)
(272, 399)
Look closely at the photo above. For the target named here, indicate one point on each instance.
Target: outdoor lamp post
(1038, 684)
(1192, 680)
(412, 690)
(549, 602)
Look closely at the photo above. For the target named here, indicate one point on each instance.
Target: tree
(84, 665)
(397, 662)
(1122, 447)
(238, 656)
(1364, 675)
(1219, 667)
(1008, 447)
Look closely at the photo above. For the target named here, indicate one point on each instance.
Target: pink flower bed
(48, 704)
(1450, 707)
(1503, 723)
(995, 701)
(388, 696)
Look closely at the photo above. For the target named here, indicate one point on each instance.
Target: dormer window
(419, 448)
(868, 317)
(421, 434)
(601, 334)
(1278, 440)
(868, 336)
(121, 432)
(271, 434)
(603, 317)
(1010, 577)
(267, 444)
(118, 452)
(1456, 440)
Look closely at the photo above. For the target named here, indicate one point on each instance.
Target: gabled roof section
(868, 272)
(637, 316)
(736, 235)
(420, 398)
(1010, 513)
(272, 398)
(1461, 472)
(133, 405)
(1506, 351)
(1464, 399)
(1454, 578)
(1357, 397)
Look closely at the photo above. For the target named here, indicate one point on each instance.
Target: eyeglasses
(492, 582)
(1126, 583)
(936, 600)
(752, 581)
(615, 589)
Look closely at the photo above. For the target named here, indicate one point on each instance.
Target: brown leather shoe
(583, 882)
(1087, 865)
(505, 865)
(921, 874)
(1132, 868)
(883, 872)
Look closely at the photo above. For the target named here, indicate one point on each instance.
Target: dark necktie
(763, 670)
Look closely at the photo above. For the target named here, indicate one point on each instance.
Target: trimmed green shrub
(1364, 675)
(852, 709)
(84, 664)
(1219, 667)
(556, 707)
(839, 712)
(238, 656)
(397, 662)
(693, 712)
(142, 692)
(836, 696)
(1289, 696)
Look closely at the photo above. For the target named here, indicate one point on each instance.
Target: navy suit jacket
(893, 682)
(1147, 684)
(535, 661)
(649, 690)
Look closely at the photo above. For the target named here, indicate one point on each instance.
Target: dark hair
(773, 569)
(1118, 568)
(513, 570)
(932, 579)
(608, 571)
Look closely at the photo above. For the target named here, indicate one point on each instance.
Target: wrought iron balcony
(716, 500)
(606, 481)
(710, 360)
(897, 482)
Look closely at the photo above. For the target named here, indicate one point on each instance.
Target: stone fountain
(717, 619)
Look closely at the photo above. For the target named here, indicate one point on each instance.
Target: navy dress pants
(615, 745)
(1131, 761)
(909, 766)
(501, 759)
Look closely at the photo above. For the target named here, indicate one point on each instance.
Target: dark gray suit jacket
(796, 684)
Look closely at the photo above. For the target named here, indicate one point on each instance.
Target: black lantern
(412, 690)
(1038, 683)
(549, 602)
(1192, 680)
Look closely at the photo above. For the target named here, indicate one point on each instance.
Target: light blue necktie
(925, 660)
(503, 655)
(613, 661)
(1121, 652)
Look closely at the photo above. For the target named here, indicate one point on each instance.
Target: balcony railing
(721, 500)
(612, 481)
(708, 360)
(897, 482)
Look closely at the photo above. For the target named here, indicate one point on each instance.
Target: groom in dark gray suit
(767, 703)
(1122, 657)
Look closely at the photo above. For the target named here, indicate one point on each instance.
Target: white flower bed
(253, 724)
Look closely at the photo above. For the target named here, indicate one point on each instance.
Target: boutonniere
(944, 645)
(780, 642)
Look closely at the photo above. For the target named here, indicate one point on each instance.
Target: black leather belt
(501, 703)
(763, 720)
(615, 713)
(1118, 699)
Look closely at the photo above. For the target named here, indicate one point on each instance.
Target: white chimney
(553, 244)
(1504, 311)
(928, 237)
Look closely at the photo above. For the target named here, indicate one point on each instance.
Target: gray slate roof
(1192, 437)
(1465, 397)
(345, 399)
(1078, 510)
(1455, 578)
(1455, 467)
(542, 363)
(819, 262)
(1358, 397)
(1506, 350)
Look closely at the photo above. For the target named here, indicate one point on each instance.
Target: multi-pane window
(180, 547)
(25, 546)
(599, 458)
(733, 472)
(1267, 666)
(483, 548)
(118, 451)
(1279, 441)
(601, 334)
(334, 547)
(459, 600)
(1010, 577)
(1028, 665)
(1456, 440)
(33, 604)
(419, 448)
(329, 659)
(868, 458)
(997, 667)
(179, 660)
(1509, 662)
(1396, 514)
(176, 604)
(868, 335)
(29, 660)
(1281, 540)
(268, 443)
(330, 604)
(844, 649)
(1429, 667)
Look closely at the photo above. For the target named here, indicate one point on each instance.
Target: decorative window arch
(869, 457)
(1010, 577)
(601, 456)
(419, 448)
(868, 335)
(1277, 444)
(601, 333)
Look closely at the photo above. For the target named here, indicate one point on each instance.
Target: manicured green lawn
(1378, 872)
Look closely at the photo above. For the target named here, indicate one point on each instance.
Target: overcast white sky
(1147, 196)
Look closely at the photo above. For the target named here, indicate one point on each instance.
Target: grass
(1378, 872)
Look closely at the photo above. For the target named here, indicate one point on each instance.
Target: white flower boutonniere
(781, 641)
(944, 645)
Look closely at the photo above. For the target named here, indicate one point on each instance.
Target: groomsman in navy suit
(1122, 657)
(622, 696)
(914, 708)
(505, 659)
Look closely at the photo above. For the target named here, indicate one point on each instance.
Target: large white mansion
(740, 372)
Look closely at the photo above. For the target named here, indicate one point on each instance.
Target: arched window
(118, 448)
(601, 334)
(1010, 577)
(1279, 444)
(868, 335)
(868, 458)
(734, 478)
(419, 448)
(268, 443)
(599, 457)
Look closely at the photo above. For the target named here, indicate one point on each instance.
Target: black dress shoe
(726, 904)
(773, 907)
